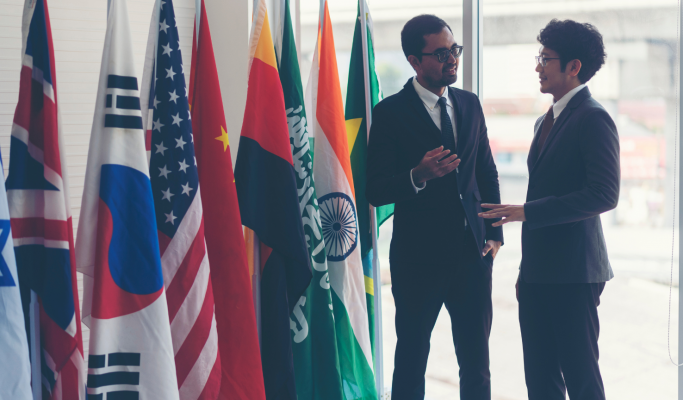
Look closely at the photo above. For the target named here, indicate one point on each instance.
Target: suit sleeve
(386, 183)
(599, 148)
(487, 179)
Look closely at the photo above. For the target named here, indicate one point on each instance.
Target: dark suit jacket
(425, 223)
(574, 180)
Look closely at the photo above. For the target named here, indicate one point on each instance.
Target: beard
(444, 79)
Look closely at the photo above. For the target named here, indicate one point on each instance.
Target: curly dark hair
(415, 30)
(575, 41)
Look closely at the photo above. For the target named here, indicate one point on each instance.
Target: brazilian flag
(363, 86)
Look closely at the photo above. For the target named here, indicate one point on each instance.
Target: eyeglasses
(543, 61)
(444, 55)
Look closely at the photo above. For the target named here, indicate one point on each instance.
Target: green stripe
(314, 341)
(357, 378)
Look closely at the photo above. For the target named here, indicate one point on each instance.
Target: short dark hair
(575, 41)
(415, 30)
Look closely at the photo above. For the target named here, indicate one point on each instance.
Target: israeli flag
(15, 368)
(124, 304)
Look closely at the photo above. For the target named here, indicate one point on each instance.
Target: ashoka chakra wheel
(340, 225)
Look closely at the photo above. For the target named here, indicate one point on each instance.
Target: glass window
(637, 86)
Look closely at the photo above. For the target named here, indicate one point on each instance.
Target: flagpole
(36, 376)
(256, 284)
(376, 275)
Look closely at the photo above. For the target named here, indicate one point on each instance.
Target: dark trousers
(419, 292)
(560, 329)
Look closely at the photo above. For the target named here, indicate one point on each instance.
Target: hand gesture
(435, 164)
(508, 213)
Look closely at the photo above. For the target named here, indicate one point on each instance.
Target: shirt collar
(429, 99)
(561, 104)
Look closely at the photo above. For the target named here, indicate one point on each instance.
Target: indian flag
(339, 216)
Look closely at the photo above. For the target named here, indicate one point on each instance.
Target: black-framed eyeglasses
(543, 61)
(444, 55)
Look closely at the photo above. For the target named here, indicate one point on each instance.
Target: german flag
(269, 206)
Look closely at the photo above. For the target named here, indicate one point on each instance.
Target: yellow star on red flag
(224, 138)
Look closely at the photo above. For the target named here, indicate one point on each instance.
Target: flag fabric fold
(179, 213)
(131, 351)
(269, 206)
(241, 374)
(339, 216)
(15, 370)
(363, 87)
(37, 193)
(316, 361)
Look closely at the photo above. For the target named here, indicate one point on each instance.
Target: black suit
(572, 180)
(434, 258)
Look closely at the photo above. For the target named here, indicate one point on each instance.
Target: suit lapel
(533, 149)
(420, 109)
(458, 117)
(578, 98)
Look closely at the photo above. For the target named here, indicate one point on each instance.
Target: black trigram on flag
(110, 374)
(122, 103)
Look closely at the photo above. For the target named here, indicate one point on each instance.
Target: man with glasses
(573, 178)
(429, 154)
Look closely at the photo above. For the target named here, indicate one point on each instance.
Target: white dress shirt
(561, 104)
(430, 101)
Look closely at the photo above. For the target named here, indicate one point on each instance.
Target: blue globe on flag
(340, 225)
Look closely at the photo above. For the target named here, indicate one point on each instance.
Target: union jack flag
(37, 192)
(179, 215)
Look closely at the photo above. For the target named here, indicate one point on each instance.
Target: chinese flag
(241, 373)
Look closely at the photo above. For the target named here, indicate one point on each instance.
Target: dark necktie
(548, 122)
(447, 136)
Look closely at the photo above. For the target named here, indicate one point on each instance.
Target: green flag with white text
(357, 132)
(314, 346)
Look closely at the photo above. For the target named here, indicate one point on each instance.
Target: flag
(242, 377)
(334, 183)
(316, 362)
(15, 370)
(179, 213)
(363, 87)
(269, 205)
(37, 193)
(124, 304)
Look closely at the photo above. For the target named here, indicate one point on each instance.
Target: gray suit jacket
(573, 180)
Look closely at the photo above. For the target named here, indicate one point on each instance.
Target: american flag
(180, 224)
(41, 218)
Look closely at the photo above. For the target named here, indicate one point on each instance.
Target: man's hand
(435, 164)
(508, 213)
(493, 246)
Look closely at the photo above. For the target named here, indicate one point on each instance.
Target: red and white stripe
(189, 294)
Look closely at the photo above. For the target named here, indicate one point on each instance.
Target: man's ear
(573, 67)
(414, 62)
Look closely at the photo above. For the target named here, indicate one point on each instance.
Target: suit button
(460, 197)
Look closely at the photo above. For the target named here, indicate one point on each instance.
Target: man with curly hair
(573, 178)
